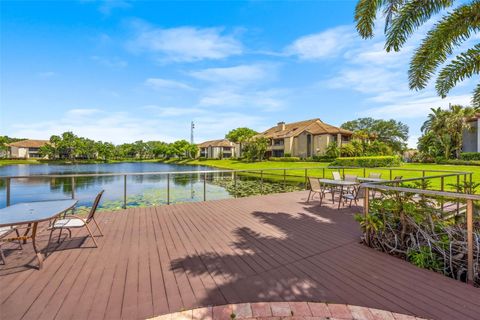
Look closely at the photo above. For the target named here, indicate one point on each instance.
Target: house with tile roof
(217, 149)
(26, 149)
(303, 138)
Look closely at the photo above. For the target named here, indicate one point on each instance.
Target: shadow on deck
(159, 260)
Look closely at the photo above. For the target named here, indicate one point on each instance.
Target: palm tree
(402, 18)
(447, 127)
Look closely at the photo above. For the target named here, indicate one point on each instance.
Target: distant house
(26, 149)
(304, 138)
(216, 149)
(471, 139)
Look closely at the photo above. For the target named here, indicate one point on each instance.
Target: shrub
(370, 162)
(322, 158)
(458, 162)
(285, 159)
(470, 156)
(287, 154)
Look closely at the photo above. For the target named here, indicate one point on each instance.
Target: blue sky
(122, 71)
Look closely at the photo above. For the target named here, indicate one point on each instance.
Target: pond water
(141, 189)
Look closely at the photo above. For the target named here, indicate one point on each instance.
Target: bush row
(458, 162)
(369, 162)
(470, 156)
(285, 159)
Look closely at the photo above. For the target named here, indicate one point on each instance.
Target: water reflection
(142, 190)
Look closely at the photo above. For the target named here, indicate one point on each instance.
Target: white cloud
(161, 123)
(324, 44)
(236, 74)
(113, 62)
(173, 111)
(159, 84)
(415, 106)
(184, 44)
(264, 100)
(82, 112)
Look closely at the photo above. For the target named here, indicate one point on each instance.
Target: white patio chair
(72, 222)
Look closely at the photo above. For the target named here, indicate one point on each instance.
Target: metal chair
(72, 222)
(357, 193)
(4, 232)
(336, 175)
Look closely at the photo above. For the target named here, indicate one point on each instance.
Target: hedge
(459, 162)
(285, 159)
(369, 162)
(470, 156)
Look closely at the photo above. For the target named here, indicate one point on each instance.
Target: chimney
(281, 126)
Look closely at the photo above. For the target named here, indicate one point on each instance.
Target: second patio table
(338, 183)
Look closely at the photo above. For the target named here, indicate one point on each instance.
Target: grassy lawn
(295, 170)
(22, 161)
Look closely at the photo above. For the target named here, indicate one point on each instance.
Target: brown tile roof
(29, 143)
(313, 126)
(215, 143)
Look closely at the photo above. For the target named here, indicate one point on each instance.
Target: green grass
(295, 170)
(22, 161)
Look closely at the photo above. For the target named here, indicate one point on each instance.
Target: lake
(141, 189)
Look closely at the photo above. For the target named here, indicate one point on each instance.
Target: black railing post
(125, 191)
(261, 181)
(73, 187)
(8, 191)
(234, 184)
(168, 188)
(204, 186)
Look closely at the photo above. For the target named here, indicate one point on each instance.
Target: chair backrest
(314, 183)
(350, 177)
(336, 175)
(360, 193)
(91, 214)
(375, 175)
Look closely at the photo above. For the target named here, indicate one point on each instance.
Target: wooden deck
(158, 260)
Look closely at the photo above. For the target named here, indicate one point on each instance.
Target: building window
(278, 153)
(278, 142)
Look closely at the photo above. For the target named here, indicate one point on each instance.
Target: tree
(403, 18)
(443, 131)
(393, 133)
(240, 135)
(332, 150)
(255, 148)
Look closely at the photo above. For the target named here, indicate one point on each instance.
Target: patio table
(30, 214)
(371, 180)
(338, 183)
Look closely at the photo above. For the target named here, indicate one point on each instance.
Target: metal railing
(301, 175)
(468, 198)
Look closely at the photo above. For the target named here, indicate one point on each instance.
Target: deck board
(159, 260)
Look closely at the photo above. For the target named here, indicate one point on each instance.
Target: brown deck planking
(158, 260)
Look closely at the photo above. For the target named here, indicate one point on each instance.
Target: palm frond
(365, 14)
(476, 97)
(411, 16)
(391, 9)
(463, 66)
(450, 32)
